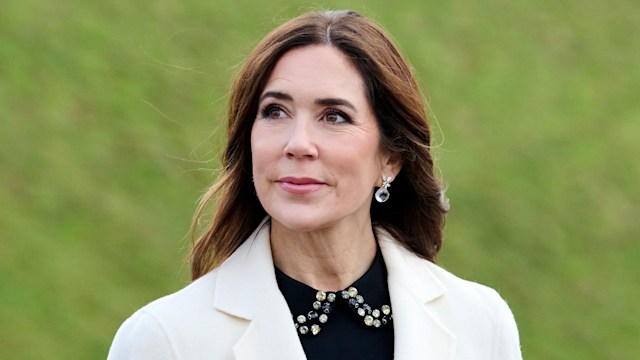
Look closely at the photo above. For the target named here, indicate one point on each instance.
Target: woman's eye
(335, 117)
(273, 112)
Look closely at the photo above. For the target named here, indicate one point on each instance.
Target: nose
(301, 143)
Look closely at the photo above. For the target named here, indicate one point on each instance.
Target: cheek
(263, 153)
(257, 146)
(359, 166)
(256, 159)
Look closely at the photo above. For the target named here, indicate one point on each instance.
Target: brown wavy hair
(413, 214)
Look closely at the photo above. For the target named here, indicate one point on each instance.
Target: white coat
(237, 312)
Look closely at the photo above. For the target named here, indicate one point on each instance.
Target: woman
(328, 219)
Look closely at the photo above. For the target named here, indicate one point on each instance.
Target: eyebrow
(334, 102)
(324, 102)
(276, 94)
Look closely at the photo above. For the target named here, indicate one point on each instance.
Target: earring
(382, 194)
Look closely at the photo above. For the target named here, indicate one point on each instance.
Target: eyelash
(347, 119)
(267, 109)
(330, 111)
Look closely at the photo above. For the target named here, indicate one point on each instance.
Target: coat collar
(246, 288)
(414, 291)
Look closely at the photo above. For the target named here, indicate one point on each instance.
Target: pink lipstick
(299, 186)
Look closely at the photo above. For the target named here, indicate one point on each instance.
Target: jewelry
(382, 194)
(325, 301)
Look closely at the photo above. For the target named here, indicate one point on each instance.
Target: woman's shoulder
(478, 301)
(476, 313)
(466, 290)
(156, 330)
(185, 303)
(195, 296)
(416, 272)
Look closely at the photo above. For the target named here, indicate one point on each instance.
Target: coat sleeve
(507, 341)
(141, 337)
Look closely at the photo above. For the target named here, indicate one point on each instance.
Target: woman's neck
(327, 259)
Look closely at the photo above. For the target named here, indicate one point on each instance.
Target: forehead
(318, 68)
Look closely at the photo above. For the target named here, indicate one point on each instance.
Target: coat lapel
(268, 336)
(246, 288)
(414, 289)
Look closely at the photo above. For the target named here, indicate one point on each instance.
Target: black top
(344, 335)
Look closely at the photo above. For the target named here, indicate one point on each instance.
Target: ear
(391, 165)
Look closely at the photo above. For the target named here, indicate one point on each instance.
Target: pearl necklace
(325, 301)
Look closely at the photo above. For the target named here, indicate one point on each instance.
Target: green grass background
(111, 118)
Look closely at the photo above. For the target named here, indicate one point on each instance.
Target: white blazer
(237, 312)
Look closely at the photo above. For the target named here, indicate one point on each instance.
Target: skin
(316, 162)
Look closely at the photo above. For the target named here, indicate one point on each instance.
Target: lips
(299, 185)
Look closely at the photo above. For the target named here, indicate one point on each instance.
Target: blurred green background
(112, 115)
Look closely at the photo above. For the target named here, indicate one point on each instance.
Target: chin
(297, 223)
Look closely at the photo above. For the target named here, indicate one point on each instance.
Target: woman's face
(315, 142)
